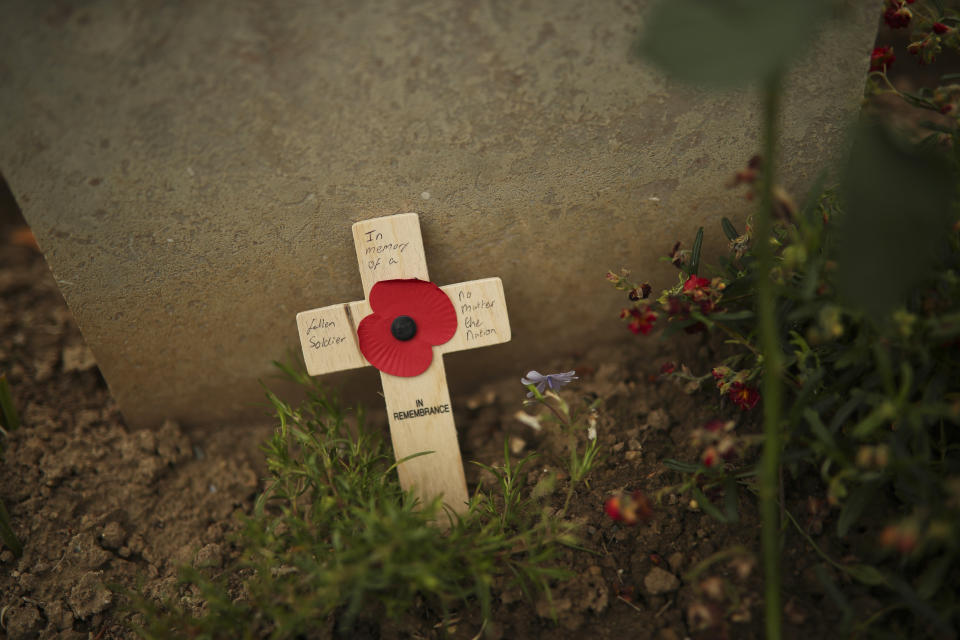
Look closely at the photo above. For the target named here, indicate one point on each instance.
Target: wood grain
(439, 472)
(481, 315)
(389, 248)
(418, 408)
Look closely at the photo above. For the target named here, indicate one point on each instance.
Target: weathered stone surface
(191, 170)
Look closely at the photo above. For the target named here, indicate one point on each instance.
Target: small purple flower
(552, 381)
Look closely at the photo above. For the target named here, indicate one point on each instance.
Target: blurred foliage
(896, 221)
(868, 290)
(729, 42)
(866, 280)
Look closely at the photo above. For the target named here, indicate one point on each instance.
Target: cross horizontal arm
(328, 335)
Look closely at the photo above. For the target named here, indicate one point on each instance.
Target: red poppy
(409, 318)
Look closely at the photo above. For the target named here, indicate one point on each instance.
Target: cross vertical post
(418, 407)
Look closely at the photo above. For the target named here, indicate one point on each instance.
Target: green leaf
(730, 500)
(728, 229)
(921, 608)
(695, 252)
(880, 415)
(545, 486)
(708, 507)
(732, 316)
(818, 428)
(931, 579)
(8, 412)
(729, 42)
(6, 532)
(696, 315)
(853, 507)
(866, 574)
(897, 221)
(835, 594)
(682, 467)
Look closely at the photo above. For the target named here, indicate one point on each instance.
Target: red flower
(641, 320)
(939, 28)
(743, 396)
(629, 509)
(409, 318)
(897, 17)
(710, 457)
(676, 306)
(881, 58)
(668, 368)
(695, 282)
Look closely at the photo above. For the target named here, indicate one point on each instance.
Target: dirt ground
(97, 503)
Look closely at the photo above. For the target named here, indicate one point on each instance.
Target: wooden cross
(418, 408)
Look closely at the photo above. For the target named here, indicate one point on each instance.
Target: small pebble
(658, 419)
(659, 581)
(113, 536)
(210, 556)
(675, 561)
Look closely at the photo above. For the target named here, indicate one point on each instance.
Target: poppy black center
(403, 328)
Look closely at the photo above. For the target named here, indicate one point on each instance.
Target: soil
(98, 504)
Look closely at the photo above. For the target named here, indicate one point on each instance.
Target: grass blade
(6, 532)
(9, 419)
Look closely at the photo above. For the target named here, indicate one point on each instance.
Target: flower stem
(772, 365)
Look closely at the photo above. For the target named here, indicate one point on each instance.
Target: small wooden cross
(418, 407)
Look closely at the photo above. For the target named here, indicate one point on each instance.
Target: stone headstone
(191, 170)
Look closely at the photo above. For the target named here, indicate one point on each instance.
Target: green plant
(576, 427)
(841, 317)
(9, 421)
(335, 541)
(871, 374)
(735, 44)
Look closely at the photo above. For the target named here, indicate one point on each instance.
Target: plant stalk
(772, 364)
